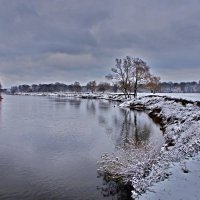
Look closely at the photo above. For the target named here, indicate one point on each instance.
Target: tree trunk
(135, 89)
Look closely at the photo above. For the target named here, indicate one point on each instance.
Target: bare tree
(141, 74)
(122, 74)
(91, 86)
(154, 84)
(77, 86)
(103, 86)
(130, 73)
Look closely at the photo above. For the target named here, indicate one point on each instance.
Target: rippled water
(49, 147)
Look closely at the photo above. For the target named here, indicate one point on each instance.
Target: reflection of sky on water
(49, 147)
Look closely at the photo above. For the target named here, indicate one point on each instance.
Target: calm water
(49, 147)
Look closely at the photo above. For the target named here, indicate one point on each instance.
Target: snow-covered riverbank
(180, 185)
(180, 120)
(187, 96)
(109, 95)
(84, 95)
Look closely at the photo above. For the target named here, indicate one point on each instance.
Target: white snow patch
(180, 185)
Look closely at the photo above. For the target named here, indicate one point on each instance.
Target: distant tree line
(182, 87)
(92, 86)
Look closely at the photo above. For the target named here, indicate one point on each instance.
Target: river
(49, 147)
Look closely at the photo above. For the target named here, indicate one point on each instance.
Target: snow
(181, 122)
(180, 185)
(88, 95)
(188, 96)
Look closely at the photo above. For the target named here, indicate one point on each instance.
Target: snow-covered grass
(182, 184)
(180, 120)
(88, 95)
(188, 96)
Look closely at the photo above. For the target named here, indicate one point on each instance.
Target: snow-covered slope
(180, 120)
(182, 184)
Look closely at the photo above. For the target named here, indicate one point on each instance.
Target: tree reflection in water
(131, 134)
(127, 128)
(75, 102)
(91, 107)
(136, 138)
(124, 126)
(132, 131)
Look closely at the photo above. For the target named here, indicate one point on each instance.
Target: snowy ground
(180, 120)
(180, 185)
(188, 96)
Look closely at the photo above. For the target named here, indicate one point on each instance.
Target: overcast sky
(44, 41)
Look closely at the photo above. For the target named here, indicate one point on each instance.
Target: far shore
(110, 95)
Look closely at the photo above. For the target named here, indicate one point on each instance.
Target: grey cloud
(93, 33)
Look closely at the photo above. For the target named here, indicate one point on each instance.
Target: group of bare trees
(101, 87)
(130, 73)
(91, 86)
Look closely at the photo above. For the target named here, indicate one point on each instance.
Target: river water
(49, 146)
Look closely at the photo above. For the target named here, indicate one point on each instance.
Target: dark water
(49, 147)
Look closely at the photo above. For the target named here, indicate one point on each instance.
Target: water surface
(49, 146)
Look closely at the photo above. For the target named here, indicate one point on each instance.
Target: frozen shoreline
(180, 122)
(187, 96)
